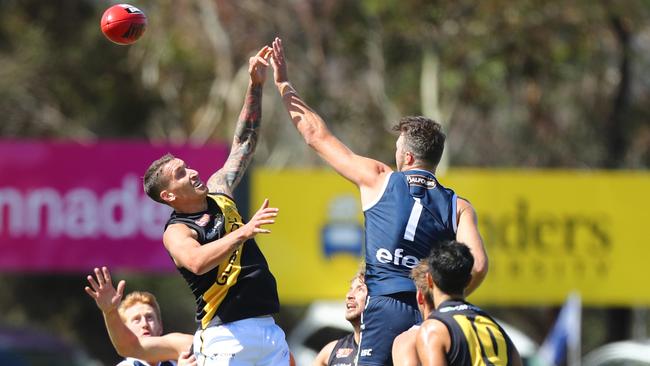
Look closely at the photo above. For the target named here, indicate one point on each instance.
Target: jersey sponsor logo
(218, 224)
(462, 307)
(203, 220)
(421, 180)
(398, 258)
(366, 352)
(343, 352)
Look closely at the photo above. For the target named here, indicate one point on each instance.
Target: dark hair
(153, 182)
(451, 265)
(423, 137)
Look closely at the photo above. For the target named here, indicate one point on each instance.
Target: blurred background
(546, 105)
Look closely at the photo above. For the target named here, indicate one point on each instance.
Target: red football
(123, 23)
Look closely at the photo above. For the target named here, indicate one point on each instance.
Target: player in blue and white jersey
(406, 212)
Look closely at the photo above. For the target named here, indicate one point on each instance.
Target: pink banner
(72, 207)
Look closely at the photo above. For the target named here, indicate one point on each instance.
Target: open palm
(102, 291)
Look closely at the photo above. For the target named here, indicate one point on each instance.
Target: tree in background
(529, 83)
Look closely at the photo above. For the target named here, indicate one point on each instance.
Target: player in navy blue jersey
(341, 352)
(406, 212)
(458, 333)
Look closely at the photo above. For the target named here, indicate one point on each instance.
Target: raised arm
(187, 252)
(362, 171)
(468, 234)
(126, 343)
(246, 131)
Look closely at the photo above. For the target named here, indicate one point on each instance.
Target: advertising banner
(71, 206)
(547, 234)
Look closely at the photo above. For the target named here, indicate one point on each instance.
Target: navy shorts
(383, 319)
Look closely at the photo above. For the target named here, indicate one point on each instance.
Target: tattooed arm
(246, 131)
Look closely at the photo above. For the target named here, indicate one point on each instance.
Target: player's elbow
(479, 272)
(196, 266)
(129, 348)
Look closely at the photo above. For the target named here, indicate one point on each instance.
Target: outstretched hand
(257, 65)
(263, 216)
(102, 291)
(278, 62)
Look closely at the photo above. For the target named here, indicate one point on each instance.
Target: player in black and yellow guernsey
(215, 251)
(458, 333)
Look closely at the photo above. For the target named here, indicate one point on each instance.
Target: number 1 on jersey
(412, 225)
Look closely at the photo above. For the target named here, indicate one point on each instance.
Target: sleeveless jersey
(412, 214)
(344, 352)
(476, 339)
(241, 286)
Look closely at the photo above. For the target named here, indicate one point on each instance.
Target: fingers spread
(90, 292)
(99, 276)
(120, 288)
(107, 274)
(93, 283)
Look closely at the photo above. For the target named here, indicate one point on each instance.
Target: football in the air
(123, 23)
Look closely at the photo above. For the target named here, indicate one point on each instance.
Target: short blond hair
(419, 276)
(139, 297)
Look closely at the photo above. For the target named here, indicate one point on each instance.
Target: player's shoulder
(464, 206)
(433, 327)
(371, 172)
(325, 353)
(406, 338)
(176, 228)
(177, 232)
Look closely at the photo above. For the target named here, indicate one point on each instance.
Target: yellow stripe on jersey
(477, 333)
(228, 270)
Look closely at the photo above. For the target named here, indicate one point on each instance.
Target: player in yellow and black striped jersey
(214, 249)
(239, 287)
(458, 333)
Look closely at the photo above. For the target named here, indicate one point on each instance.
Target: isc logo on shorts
(383, 255)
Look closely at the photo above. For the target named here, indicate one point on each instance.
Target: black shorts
(383, 319)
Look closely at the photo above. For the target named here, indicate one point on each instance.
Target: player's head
(355, 299)
(424, 295)
(421, 141)
(169, 180)
(141, 314)
(450, 267)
